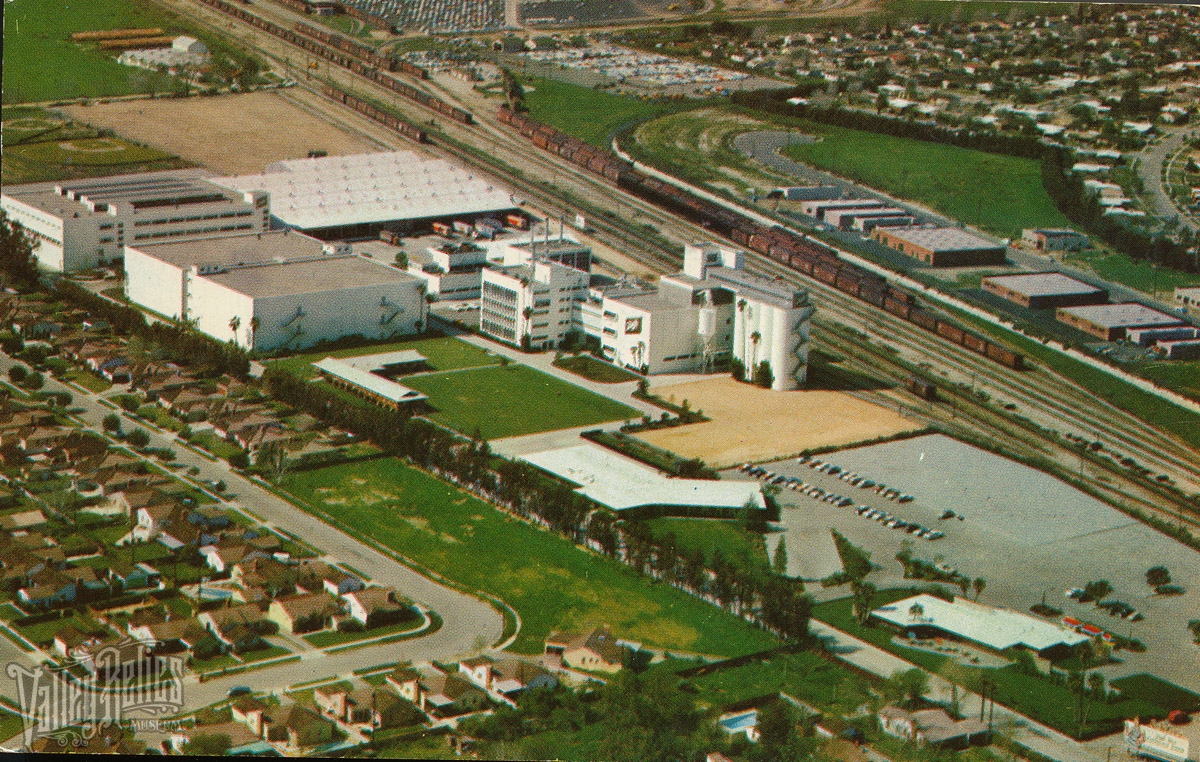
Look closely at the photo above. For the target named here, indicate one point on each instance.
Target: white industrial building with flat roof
(1044, 290)
(274, 290)
(711, 314)
(1188, 297)
(534, 305)
(995, 628)
(354, 196)
(1111, 321)
(363, 375)
(622, 484)
(80, 224)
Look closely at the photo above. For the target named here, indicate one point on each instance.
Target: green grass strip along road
(551, 583)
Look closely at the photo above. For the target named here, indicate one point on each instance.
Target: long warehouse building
(275, 290)
(339, 197)
(80, 224)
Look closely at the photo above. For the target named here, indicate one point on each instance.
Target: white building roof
(386, 388)
(943, 239)
(365, 188)
(1043, 284)
(620, 483)
(995, 628)
(384, 359)
(1127, 315)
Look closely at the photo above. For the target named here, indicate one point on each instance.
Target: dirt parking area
(229, 134)
(753, 424)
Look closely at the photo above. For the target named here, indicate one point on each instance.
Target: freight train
(392, 121)
(299, 6)
(797, 251)
(351, 55)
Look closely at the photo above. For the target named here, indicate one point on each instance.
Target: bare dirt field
(229, 134)
(753, 424)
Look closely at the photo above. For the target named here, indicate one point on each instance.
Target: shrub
(17, 374)
(112, 423)
(138, 438)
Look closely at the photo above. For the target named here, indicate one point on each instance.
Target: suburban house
(303, 613)
(596, 651)
(169, 635)
(295, 726)
(370, 708)
(376, 605)
(436, 692)
(238, 627)
(506, 678)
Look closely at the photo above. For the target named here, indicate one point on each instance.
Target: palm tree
(754, 339)
(916, 611)
(254, 324)
(742, 322)
(235, 323)
(979, 585)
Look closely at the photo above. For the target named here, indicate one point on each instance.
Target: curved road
(1150, 170)
(470, 625)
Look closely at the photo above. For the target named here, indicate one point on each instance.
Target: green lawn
(595, 370)
(745, 550)
(551, 583)
(215, 445)
(1180, 375)
(1034, 696)
(1157, 691)
(804, 675)
(588, 114)
(41, 62)
(513, 400)
(10, 724)
(1001, 194)
(262, 654)
(1135, 273)
(335, 638)
(442, 353)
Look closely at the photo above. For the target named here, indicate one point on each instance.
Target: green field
(40, 145)
(590, 115)
(1137, 274)
(1034, 696)
(1180, 375)
(551, 583)
(41, 63)
(1167, 695)
(513, 400)
(441, 352)
(1000, 194)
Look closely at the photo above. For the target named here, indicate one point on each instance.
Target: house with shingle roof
(304, 613)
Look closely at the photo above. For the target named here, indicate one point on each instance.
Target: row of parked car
(854, 480)
(815, 492)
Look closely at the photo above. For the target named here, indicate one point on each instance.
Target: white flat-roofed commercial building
(352, 196)
(942, 247)
(866, 224)
(534, 305)
(450, 270)
(844, 219)
(1044, 290)
(275, 290)
(79, 224)
(1111, 321)
(1048, 239)
(621, 484)
(995, 628)
(819, 208)
(704, 318)
(359, 376)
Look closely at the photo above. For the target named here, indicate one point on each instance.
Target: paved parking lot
(1026, 533)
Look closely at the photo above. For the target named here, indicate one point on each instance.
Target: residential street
(1150, 169)
(470, 625)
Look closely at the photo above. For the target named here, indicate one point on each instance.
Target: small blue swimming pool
(740, 721)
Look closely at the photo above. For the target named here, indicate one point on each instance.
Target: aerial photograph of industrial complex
(601, 380)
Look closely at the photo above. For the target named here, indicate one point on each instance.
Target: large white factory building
(79, 224)
(274, 290)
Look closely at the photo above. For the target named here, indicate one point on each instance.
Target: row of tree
(1082, 207)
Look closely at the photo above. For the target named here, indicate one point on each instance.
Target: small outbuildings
(941, 247)
(1110, 322)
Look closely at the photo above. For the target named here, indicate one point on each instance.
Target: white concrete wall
(212, 306)
(154, 284)
(332, 314)
(783, 341)
(45, 229)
